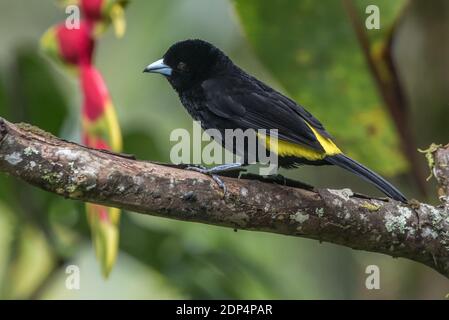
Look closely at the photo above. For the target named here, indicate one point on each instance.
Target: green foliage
(3, 102)
(133, 142)
(199, 270)
(33, 96)
(30, 94)
(310, 48)
(5, 187)
(7, 224)
(41, 101)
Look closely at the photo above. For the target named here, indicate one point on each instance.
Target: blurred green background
(308, 51)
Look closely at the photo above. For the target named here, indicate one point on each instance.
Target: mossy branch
(418, 231)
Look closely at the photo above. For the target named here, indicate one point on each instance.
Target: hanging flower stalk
(74, 49)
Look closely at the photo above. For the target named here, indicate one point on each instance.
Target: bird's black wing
(247, 103)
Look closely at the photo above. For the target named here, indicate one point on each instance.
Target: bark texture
(416, 231)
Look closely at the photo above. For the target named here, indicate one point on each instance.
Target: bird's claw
(220, 183)
(212, 172)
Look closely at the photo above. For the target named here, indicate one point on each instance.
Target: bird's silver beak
(159, 67)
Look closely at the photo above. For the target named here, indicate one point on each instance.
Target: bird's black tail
(351, 165)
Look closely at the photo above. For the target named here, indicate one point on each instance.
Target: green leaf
(105, 235)
(31, 264)
(37, 95)
(8, 223)
(3, 103)
(142, 144)
(313, 52)
(5, 182)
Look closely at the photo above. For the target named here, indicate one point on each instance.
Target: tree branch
(440, 170)
(418, 232)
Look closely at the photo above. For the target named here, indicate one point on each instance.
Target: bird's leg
(212, 172)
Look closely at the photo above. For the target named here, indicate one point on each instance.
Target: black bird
(222, 96)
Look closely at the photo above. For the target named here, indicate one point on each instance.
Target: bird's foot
(212, 172)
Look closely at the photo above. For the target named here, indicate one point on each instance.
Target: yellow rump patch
(285, 148)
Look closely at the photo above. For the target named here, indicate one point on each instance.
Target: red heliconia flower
(101, 130)
(92, 9)
(100, 13)
(96, 95)
(74, 48)
(76, 45)
(99, 118)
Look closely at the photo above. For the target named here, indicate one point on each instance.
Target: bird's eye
(182, 66)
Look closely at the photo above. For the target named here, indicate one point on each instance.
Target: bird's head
(188, 63)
